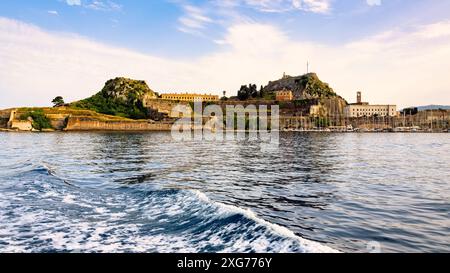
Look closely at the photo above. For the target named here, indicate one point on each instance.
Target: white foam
(80, 234)
(100, 210)
(307, 245)
(69, 199)
(117, 216)
(50, 194)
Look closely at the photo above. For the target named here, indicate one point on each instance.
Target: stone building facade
(364, 109)
(189, 97)
(284, 95)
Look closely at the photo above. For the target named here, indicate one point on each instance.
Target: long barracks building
(364, 109)
(189, 97)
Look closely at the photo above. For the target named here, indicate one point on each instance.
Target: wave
(24, 168)
(134, 218)
(306, 245)
(41, 170)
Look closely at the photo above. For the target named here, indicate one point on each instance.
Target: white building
(364, 109)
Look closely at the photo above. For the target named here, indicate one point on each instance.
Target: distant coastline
(64, 119)
(306, 104)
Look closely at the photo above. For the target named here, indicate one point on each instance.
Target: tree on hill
(58, 101)
(261, 92)
(247, 92)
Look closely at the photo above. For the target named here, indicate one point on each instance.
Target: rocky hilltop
(120, 97)
(128, 89)
(307, 86)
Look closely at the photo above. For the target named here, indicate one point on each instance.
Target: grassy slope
(119, 97)
(110, 106)
(74, 113)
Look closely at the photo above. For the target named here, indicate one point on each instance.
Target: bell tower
(359, 97)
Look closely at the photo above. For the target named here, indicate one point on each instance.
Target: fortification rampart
(89, 124)
(161, 108)
(4, 118)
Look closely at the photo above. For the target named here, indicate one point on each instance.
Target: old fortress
(353, 110)
(285, 93)
(305, 103)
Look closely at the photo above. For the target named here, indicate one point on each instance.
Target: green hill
(119, 97)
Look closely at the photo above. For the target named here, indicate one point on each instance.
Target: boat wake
(39, 213)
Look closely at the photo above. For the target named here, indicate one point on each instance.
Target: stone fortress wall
(162, 108)
(90, 124)
(4, 118)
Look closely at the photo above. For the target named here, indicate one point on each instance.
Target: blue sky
(162, 26)
(183, 34)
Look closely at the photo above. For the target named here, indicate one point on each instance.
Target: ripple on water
(112, 192)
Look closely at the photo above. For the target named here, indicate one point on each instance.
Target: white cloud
(193, 20)
(316, 6)
(196, 19)
(407, 68)
(52, 12)
(373, 2)
(101, 5)
(73, 2)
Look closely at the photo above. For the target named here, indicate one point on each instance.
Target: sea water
(143, 192)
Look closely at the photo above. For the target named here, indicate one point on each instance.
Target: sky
(394, 51)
